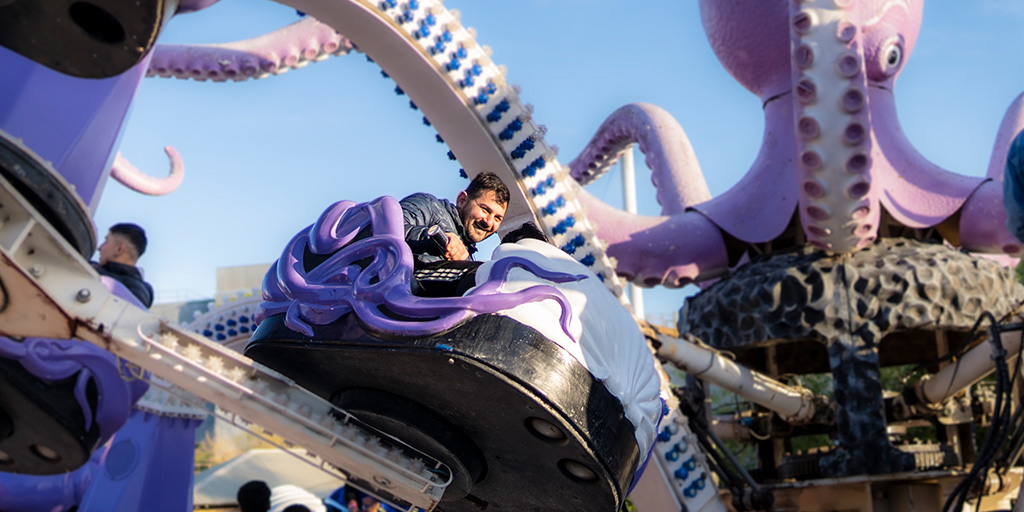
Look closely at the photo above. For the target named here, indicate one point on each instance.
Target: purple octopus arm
(339, 285)
(290, 47)
(983, 218)
(52, 360)
(675, 172)
(672, 251)
(187, 6)
(499, 274)
(58, 492)
(128, 175)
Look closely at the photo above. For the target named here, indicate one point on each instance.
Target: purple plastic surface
(74, 123)
(337, 286)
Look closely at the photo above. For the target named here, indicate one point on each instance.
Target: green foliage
(628, 506)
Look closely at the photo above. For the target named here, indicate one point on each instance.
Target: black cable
(734, 481)
(1015, 447)
(1000, 420)
(966, 343)
(959, 493)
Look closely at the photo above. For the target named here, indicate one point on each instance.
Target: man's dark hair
(527, 230)
(488, 181)
(254, 496)
(134, 233)
(298, 507)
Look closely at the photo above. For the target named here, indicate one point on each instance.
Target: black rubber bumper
(521, 423)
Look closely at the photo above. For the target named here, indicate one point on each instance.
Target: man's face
(110, 248)
(481, 215)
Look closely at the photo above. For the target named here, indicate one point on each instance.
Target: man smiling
(476, 215)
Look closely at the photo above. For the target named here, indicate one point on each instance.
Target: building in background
(227, 318)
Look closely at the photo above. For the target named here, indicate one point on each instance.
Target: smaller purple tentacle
(130, 176)
(287, 48)
(675, 173)
(187, 6)
(983, 222)
(53, 360)
(671, 251)
(83, 403)
(293, 319)
(501, 268)
(325, 229)
(535, 294)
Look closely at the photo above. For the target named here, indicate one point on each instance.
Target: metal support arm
(48, 290)
(793, 403)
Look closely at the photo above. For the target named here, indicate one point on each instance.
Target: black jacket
(420, 211)
(130, 277)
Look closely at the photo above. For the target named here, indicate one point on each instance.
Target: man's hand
(455, 250)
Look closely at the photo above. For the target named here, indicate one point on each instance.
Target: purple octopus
(833, 152)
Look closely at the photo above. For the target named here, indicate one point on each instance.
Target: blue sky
(264, 158)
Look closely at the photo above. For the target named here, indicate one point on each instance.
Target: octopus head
(752, 39)
(890, 29)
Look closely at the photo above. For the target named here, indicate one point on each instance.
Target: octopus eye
(886, 61)
(893, 57)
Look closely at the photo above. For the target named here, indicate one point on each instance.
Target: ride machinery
(523, 382)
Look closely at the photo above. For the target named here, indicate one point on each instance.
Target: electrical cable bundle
(1001, 421)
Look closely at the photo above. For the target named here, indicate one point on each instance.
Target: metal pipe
(794, 404)
(967, 370)
(729, 428)
(636, 294)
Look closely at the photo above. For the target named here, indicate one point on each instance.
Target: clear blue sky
(265, 157)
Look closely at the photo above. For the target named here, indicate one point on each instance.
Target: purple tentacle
(502, 267)
(983, 216)
(499, 274)
(337, 285)
(53, 360)
(187, 6)
(287, 48)
(326, 228)
(983, 222)
(129, 176)
(80, 386)
(675, 172)
(839, 203)
(672, 251)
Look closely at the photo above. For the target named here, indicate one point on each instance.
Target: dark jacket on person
(420, 212)
(1013, 187)
(130, 277)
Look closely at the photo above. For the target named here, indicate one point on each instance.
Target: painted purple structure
(833, 152)
(64, 95)
(102, 394)
(379, 291)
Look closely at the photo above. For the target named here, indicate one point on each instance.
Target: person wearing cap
(119, 252)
